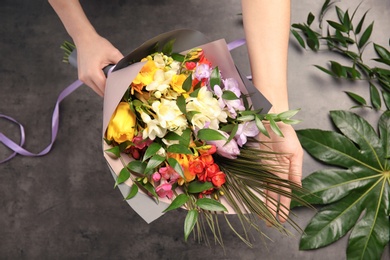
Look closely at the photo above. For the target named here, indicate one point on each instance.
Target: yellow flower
(177, 83)
(145, 76)
(122, 124)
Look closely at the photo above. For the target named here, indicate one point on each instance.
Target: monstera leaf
(356, 194)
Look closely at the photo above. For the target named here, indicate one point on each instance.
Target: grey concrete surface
(63, 205)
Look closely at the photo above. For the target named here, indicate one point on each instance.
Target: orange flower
(184, 161)
(144, 77)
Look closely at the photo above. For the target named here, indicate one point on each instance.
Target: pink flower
(140, 143)
(165, 190)
(168, 173)
(156, 176)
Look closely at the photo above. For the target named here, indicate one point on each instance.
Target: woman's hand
(93, 54)
(289, 156)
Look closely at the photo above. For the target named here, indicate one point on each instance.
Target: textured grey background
(63, 205)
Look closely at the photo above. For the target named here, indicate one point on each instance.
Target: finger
(296, 170)
(272, 204)
(116, 57)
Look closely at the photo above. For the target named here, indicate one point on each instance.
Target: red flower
(190, 65)
(211, 171)
(207, 159)
(218, 179)
(197, 166)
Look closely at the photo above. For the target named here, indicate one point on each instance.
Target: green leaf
(386, 98)
(310, 18)
(150, 188)
(154, 162)
(366, 35)
(123, 176)
(384, 132)
(371, 234)
(178, 57)
(215, 78)
(360, 132)
(197, 186)
(347, 21)
(167, 48)
(340, 14)
(325, 6)
(357, 197)
(337, 26)
(298, 38)
(229, 95)
(137, 166)
(338, 69)
(360, 24)
(210, 204)
(325, 70)
(375, 97)
(382, 52)
(181, 104)
(179, 201)
(179, 148)
(115, 151)
(357, 98)
(184, 138)
(133, 192)
(208, 134)
(189, 222)
(187, 84)
(332, 222)
(176, 166)
(261, 126)
(151, 150)
(275, 128)
(288, 114)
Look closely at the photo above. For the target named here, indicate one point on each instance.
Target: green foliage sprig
(349, 39)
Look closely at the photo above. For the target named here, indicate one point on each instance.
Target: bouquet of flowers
(179, 132)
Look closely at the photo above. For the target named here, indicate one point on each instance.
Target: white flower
(169, 115)
(153, 128)
(209, 109)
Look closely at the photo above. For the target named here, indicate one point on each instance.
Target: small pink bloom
(156, 176)
(165, 190)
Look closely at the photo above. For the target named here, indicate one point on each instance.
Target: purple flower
(202, 71)
(246, 129)
(232, 85)
(228, 150)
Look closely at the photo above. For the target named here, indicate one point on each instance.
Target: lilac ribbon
(17, 148)
(235, 44)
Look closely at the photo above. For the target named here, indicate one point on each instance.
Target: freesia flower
(164, 190)
(144, 77)
(208, 110)
(121, 127)
(153, 128)
(246, 129)
(202, 72)
(177, 83)
(228, 150)
(169, 115)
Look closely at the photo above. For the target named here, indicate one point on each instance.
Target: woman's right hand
(93, 54)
